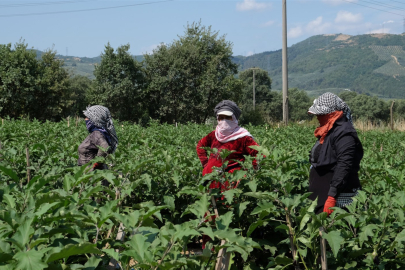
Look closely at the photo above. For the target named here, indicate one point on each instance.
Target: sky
(83, 27)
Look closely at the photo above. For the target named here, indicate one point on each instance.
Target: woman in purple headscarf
(102, 139)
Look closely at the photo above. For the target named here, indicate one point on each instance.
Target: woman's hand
(330, 202)
(97, 166)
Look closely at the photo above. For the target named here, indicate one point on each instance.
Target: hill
(373, 64)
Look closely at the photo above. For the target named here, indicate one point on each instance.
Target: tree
(52, 89)
(262, 86)
(188, 77)
(29, 86)
(366, 107)
(347, 96)
(79, 86)
(119, 84)
(298, 104)
(19, 72)
(263, 97)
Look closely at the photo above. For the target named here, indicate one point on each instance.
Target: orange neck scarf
(326, 123)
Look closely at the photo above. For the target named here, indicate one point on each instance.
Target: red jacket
(240, 146)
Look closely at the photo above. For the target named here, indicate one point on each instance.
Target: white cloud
(317, 26)
(295, 32)
(347, 17)
(337, 2)
(267, 24)
(379, 31)
(149, 50)
(251, 5)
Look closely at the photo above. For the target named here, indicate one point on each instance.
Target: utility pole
(254, 89)
(254, 86)
(285, 69)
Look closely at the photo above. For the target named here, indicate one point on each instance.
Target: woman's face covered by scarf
(226, 126)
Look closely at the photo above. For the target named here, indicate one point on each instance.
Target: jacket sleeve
(345, 148)
(202, 154)
(100, 141)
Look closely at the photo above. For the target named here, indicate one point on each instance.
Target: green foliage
(298, 104)
(366, 107)
(79, 86)
(262, 85)
(28, 86)
(119, 84)
(61, 219)
(188, 77)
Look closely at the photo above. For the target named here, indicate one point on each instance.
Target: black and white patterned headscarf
(101, 117)
(328, 103)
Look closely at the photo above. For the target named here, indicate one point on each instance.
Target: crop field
(149, 211)
(385, 52)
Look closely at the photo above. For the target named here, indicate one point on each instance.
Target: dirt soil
(342, 37)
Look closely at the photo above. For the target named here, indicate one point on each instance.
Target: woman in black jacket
(335, 157)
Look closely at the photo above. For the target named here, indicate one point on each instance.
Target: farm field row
(65, 218)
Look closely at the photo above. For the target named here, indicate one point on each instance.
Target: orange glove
(330, 202)
(97, 165)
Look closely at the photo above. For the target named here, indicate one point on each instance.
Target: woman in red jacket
(227, 135)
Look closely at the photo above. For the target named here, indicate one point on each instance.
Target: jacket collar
(341, 121)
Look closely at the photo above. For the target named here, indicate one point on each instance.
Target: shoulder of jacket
(211, 134)
(344, 127)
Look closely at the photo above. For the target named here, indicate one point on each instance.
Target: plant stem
(291, 236)
(302, 259)
(164, 255)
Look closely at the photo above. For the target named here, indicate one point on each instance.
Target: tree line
(179, 82)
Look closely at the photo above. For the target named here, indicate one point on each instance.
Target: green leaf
(241, 207)
(24, 231)
(139, 249)
(4, 257)
(70, 250)
(199, 208)
(68, 181)
(29, 260)
(223, 221)
(207, 231)
(283, 260)
(400, 237)
(11, 174)
(252, 185)
(366, 231)
(335, 240)
(92, 263)
(254, 225)
(7, 198)
(112, 253)
(229, 194)
(169, 201)
(44, 208)
(183, 231)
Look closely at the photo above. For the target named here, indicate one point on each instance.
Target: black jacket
(338, 157)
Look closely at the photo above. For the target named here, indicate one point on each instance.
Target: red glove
(97, 165)
(330, 202)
